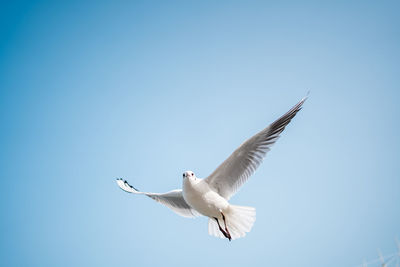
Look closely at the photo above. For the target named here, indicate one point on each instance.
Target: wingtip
(303, 100)
(307, 95)
(120, 182)
(124, 185)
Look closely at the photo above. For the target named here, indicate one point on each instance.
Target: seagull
(210, 196)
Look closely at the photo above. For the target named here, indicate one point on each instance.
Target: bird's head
(188, 174)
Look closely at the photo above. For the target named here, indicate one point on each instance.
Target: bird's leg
(226, 228)
(220, 228)
(227, 235)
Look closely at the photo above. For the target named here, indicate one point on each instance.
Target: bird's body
(198, 194)
(210, 196)
(237, 220)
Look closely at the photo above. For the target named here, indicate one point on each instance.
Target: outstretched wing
(172, 199)
(243, 162)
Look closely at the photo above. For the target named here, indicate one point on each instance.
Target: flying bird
(210, 196)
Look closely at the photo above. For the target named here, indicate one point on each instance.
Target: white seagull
(210, 196)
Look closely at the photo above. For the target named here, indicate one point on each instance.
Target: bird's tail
(239, 221)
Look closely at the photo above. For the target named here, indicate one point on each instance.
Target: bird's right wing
(172, 199)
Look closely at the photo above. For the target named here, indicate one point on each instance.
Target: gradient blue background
(91, 91)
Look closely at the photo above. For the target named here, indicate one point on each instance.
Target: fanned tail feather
(239, 221)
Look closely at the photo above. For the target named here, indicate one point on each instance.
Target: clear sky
(145, 90)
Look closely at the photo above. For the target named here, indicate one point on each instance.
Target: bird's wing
(242, 163)
(172, 199)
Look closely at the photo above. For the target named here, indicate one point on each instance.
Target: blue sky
(91, 91)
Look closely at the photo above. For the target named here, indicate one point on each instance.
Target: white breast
(199, 196)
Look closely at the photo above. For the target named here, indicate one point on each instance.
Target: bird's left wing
(172, 199)
(243, 162)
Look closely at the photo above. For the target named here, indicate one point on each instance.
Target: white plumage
(209, 196)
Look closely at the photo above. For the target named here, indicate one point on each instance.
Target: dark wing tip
(125, 182)
(279, 125)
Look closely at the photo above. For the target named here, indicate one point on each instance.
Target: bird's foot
(226, 228)
(225, 233)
